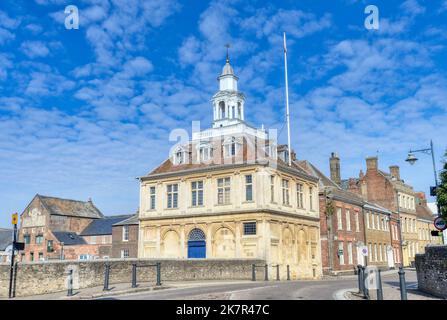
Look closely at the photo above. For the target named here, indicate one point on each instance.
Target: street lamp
(411, 159)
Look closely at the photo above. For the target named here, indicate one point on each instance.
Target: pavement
(391, 289)
(332, 288)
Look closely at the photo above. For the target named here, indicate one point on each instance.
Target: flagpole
(287, 101)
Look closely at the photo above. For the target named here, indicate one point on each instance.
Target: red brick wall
(118, 244)
(345, 236)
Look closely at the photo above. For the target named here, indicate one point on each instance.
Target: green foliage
(441, 193)
(329, 208)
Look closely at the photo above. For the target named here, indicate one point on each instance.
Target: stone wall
(431, 269)
(52, 276)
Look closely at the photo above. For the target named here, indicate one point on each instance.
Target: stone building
(341, 221)
(230, 193)
(391, 192)
(425, 218)
(125, 238)
(378, 236)
(50, 227)
(5, 245)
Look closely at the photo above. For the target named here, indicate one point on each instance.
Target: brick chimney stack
(372, 163)
(394, 170)
(334, 165)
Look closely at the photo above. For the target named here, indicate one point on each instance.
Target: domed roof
(227, 69)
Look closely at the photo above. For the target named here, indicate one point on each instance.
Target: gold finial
(228, 57)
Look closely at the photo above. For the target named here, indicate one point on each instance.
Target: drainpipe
(400, 231)
(330, 238)
(364, 235)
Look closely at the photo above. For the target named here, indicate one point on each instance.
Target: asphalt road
(288, 290)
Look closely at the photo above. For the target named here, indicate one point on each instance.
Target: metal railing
(266, 277)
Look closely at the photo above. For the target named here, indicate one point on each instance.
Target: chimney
(334, 166)
(293, 155)
(394, 170)
(372, 164)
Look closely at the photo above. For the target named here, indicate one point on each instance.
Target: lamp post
(411, 159)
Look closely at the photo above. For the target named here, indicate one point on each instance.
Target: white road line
(249, 289)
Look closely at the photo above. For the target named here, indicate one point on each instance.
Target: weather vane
(228, 57)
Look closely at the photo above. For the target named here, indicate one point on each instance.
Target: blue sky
(83, 112)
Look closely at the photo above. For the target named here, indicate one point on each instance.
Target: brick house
(98, 235)
(341, 221)
(391, 192)
(50, 228)
(125, 238)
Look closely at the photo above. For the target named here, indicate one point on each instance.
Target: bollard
(158, 274)
(134, 275)
(277, 272)
(70, 283)
(379, 286)
(402, 284)
(266, 278)
(288, 272)
(364, 289)
(359, 276)
(253, 272)
(106, 277)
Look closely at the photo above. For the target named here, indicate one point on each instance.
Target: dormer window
(179, 156)
(231, 147)
(205, 153)
(270, 151)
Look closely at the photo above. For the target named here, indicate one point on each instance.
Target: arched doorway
(196, 244)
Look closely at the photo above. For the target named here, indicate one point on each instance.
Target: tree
(441, 192)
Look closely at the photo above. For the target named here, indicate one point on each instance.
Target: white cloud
(35, 49)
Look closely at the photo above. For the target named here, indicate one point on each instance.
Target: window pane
(250, 228)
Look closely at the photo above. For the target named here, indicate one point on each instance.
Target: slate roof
(327, 184)
(69, 238)
(73, 208)
(103, 226)
(5, 238)
(133, 220)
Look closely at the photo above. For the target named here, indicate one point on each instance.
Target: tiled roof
(5, 238)
(424, 212)
(133, 220)
(73, 208)
(69, 238)
(103, 226)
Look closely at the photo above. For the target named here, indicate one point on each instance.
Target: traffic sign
(440, 224)
(15, 218)
(364, 251)
(433, 191)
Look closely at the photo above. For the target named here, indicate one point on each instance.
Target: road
(272, 290)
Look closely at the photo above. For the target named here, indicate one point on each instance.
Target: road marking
(249, 289)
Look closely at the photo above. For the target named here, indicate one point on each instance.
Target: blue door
(196, 244)
(197, 249)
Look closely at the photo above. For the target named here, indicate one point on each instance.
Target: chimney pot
(372, 163)
(394, 171)
(334, 166)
